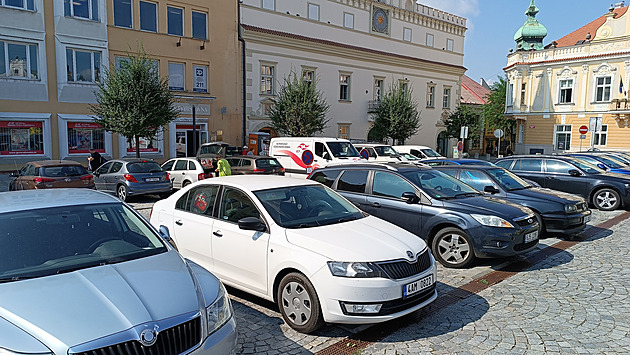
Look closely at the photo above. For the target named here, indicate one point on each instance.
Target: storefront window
(85, 135)
(147, 145)
(21, 138)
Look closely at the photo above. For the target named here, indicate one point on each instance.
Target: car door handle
(179, 222)
(217, 233)
(376, 205)
(549, 177)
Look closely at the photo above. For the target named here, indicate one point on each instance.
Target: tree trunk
(137, 139)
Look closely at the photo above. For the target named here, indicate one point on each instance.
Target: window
(407, 34)
(523, 90)
(83, 66)
(147, 145)
(562, 137)
(181, 165)
(313, 12)
(83, 136)
(308, 75)
(199, 25)
(599, 138)
(390, 185)
(199, 200)
(267, 73)
(429, 40)
(21, 137)
(602, 92)
(327, 177)
(531, 165)
(87, 9)
(559, 167)
(446, 98)
(148, 16)
(510, 95)
(18, 60)
(21, 4)
(175, 19)
(378, 89)
(118, 60)
(404, 86)
(344, 87)
(348, 20)
(200, 83)
(122, 13)
(353, 181)
(269, 4)
(344, 131)
(449, 45)
(176, 76)
(431, 96)
(236, 205)
(475, 179)
(566, 91)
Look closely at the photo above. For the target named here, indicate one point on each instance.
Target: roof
(263, 182)
(473, 93)
(47, 198)
(580, 34)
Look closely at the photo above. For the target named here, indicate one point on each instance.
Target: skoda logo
(409, 254)
(148, 337)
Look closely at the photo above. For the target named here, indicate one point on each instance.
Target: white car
(420, 151)
(185, 171)
(301, 245)
(379, 152)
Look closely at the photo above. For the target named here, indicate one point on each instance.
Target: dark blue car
(442, 162)
(604, 162)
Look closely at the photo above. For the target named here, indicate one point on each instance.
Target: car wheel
(606, 199)
(121, 192)
(453, 248)
(299, 304)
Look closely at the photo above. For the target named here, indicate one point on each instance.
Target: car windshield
(307, 206)
(63, 171)
(508, 180)
(438, 184)
(343, 150)
(386, 151)
(430, 153)
(586, 166)
(212, 149)
(144, 167)
(410, 157)
(56, 240)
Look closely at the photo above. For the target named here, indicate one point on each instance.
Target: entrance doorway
(184, 139)
(442, 144)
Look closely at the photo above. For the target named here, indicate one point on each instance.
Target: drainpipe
(243, 77)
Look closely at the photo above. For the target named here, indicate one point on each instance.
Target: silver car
(83, 273)
(132, 177)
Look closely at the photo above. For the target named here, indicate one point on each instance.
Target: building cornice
(568, 60)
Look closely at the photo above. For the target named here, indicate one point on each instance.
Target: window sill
(600, 102)
(16, 8)
(565, 104)
(431, 107)
(345, 101)
(81, 83)
(267, 95)
(83, 19)
(18, 79)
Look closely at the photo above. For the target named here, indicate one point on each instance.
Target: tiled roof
(343, 45)
(472, 92)
(580, 34)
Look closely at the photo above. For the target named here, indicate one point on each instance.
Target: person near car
(223, 167)
(95, 159)
(244, 150)
(251, 151)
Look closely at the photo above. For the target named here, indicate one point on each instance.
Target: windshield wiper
(467, 194)
(347, 219)
(16, 278)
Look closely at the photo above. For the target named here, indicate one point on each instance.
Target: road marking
(365, 338)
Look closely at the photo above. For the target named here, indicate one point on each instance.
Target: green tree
(494, 109)
(133, 100)
(463, 116)
(299, 110)
(396, 116)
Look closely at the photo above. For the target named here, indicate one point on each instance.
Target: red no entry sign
(583, 129)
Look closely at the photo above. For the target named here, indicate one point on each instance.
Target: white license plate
(530, 237)
(417, 286)
(587, 218)
(152, 179)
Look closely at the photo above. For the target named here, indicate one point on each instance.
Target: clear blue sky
(492, 24)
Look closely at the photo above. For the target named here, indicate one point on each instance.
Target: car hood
(365, 239)
(490, 206)
(70, 309)
(539, 193)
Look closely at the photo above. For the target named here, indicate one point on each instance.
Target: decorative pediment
(604, 69)
(567, 73)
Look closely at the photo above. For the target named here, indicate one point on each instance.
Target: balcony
(620, 109)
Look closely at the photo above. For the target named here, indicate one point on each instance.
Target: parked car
(89, 261)
(458, 222)
(606, 191)
(442, 162)
(603, 162)
(207, 153)
(420, 151)
(557, 212)
(379, 152)
(255, 164)
(618, 157)
(132, 177)
(47, 174)
(299, 244)
(185, 171)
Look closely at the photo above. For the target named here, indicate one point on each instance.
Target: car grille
(400, 269)
(175, 340)
(523, 246)
(525, 222)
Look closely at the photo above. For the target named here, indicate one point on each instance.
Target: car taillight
(259, 170)
(41, 179)
(201, 176)
(168, 176)
(130, 178)
(87, 177)
(282, 170)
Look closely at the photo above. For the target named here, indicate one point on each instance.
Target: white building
(356, 49)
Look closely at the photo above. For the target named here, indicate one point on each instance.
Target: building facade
(354, 50)
(579, 80)
(53, 53)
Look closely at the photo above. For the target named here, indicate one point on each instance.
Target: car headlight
(220, 311)
(627, 186)
(570, 208)
(492, 221)
(356, 269)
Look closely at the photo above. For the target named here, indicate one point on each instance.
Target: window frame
(312, 7)
(196, 79)
(130, 14)
(450, 45)
(432, 41)
(92, 65)
(272, 2)
(603, 88)
(407, 30)
(596, 137)
(25, 6)
(168, 25)
(344, 86)
(446, 97)
(560, 129)
(267, 79)
(523, 93)
(177, 88)
(563, 90)
(157, 23)
(379, 84)
(29, 61)
(350, 16)
(91, 10)
(431, 96)
(205, 25)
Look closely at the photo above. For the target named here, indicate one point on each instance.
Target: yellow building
(581, 79)
(53, 52)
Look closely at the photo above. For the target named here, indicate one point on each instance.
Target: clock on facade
(380, 20)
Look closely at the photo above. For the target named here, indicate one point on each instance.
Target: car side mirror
(602, 166)
(491, 190)
(252, 224)
(410, 197)
(164, 233)
(574, 172)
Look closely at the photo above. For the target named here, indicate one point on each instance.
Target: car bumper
(222, 341)
(369, 291)
(568, 224)
(148, 188)
(491, 242)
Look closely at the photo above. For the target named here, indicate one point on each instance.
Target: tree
(463, 116)
(396, 115)
(494, 109)
(133, 100)
(299, 109)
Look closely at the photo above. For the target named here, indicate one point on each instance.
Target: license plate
(530, 237)
(152, 179)
(587, 218)
(417, 286)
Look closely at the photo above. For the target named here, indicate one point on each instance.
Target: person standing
(95, 160)
(251, 152)
(223, 167)
(244, 150)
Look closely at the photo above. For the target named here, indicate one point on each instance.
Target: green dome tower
(530, 36)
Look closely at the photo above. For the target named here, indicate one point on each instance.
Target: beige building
(52, 53)
(579, 80)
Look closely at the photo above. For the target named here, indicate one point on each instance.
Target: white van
(300, 155)
(379, 152)
(419, 151)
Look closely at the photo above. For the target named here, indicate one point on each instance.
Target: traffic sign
(583, 129)
(463, 132)
(498, 133)
(308, 157)
(364, 154)
(582, 136)
(460, 146)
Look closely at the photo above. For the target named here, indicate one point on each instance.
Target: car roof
(467, 166)
(183, 158)
(46, 163)
(372, 144)
(250, 157)
(379, 166)
(46, 198)
(263, 182)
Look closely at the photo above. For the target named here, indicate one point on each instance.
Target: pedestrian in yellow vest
(223, 167)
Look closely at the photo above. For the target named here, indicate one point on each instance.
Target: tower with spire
(530, 36)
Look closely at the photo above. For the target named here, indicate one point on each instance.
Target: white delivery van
(420, 151)
(383, 153)
(301, 155)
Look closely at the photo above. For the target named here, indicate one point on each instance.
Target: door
(239, 256)
(558, 178)
(113, 177)
(22, 181)
(101, 174)
(352, 185)
(180, 170)
(530, 169)
(385, 202)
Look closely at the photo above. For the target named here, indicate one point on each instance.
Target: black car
(607, 191)
(458, 222)
(557, 212)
